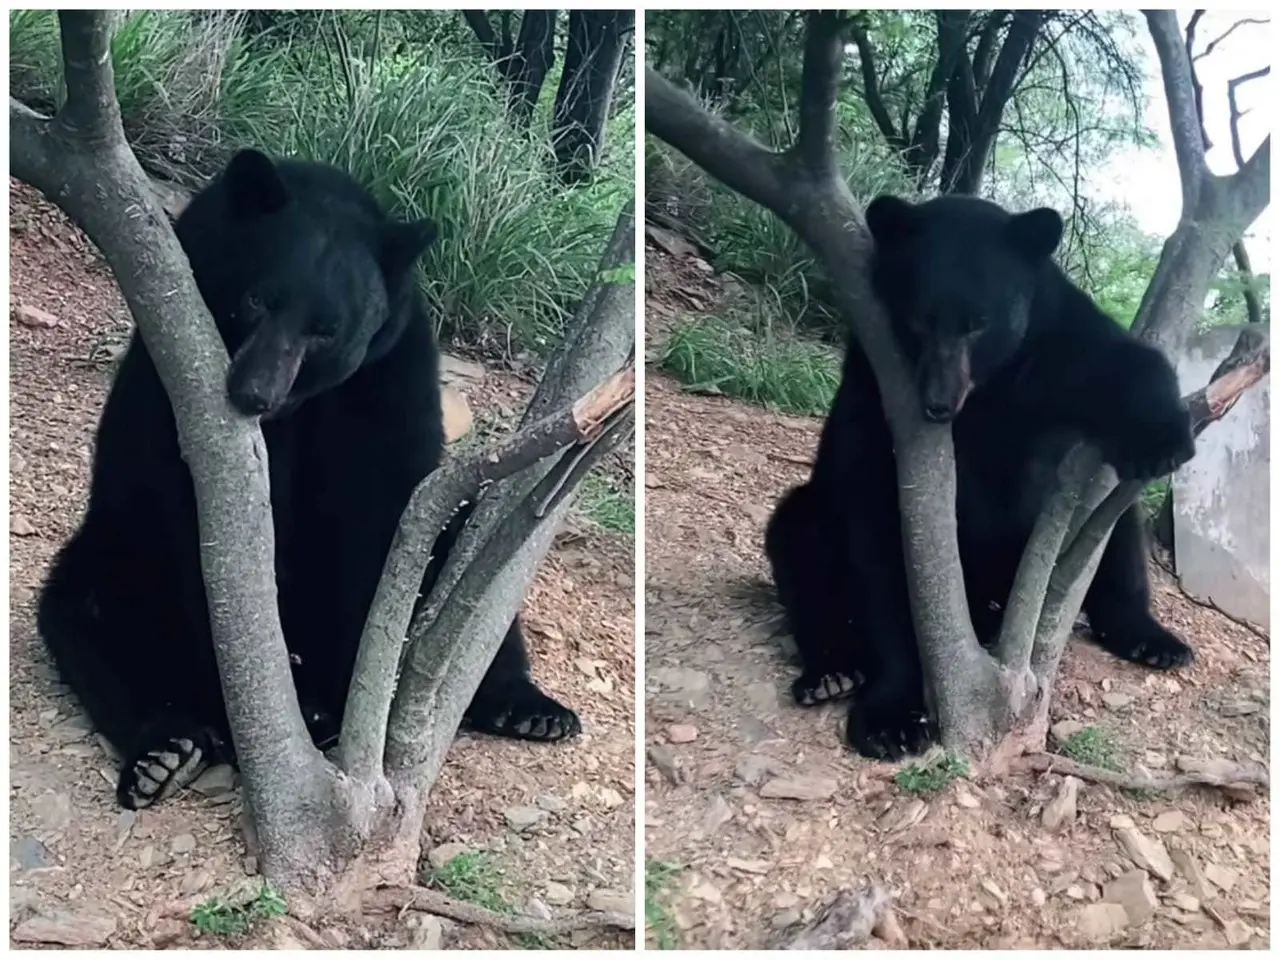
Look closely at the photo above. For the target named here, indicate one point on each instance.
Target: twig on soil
(1210, 773)
(788, 458)
(847, 921)
(434, 902)
(1210, 603)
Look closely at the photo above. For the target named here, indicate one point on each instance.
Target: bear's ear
(1036, 233)
(404, 243)
(254, 187)
(891, 220)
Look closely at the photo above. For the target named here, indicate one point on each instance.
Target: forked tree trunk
(988, 707)
(593, 55)
(323, 828)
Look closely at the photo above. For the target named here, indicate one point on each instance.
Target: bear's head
(958, 276)
(307, 279)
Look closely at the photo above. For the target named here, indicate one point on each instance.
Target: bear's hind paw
(158, 773)
(811, 692)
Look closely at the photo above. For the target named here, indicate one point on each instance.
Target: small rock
(20, 526)
(586, 666)
(535, 908)
(1099, 922)
(799, 788)
(522, 818)
(762, 696)
(65, 929)
(667, 764)
(753, 768)
(1061, 810)
(785, 918)
(458, 418)
(785, 900)
(1237, 932)
(1064, 730)
(1224, 878)
(1121, 821)
(53, 810)
(34, 317)
(1075, 892)
(125, 823)
(706, 892)
(1147, 853)
(689, 687)
(146, 857)
(1133, 891)
(1038, 897)
(1185, 901)
(551, 803)
(427, 933)
(441, 856)
(611, 901)
(1116, 701)
(194, 882)
(902, 816)
(718, 814)
(215, 781)
(682, 733)
(758, 867)
(31, 854)
(967, 800)
(610, 797)
(167, 932)
(601, 685)
(71, 730)
(557, 894)
(995, 891)
(183, 843)
(1171, 821)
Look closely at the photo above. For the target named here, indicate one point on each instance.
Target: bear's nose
(250, 403)
(938, 412)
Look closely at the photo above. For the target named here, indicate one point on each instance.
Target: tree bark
(523, 62)
(597, 41)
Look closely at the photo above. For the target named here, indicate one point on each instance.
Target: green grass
(475, 878)
(603, 501)
(427, 133)
(931, 775)
(721, 355)
(1096, 746)
(659, 922)
(220, 917)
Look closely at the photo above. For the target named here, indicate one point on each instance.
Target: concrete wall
(1221, 499)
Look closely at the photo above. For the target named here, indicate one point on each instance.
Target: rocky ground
(545, 830)
(757, 815)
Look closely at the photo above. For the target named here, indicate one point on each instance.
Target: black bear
(312, 289)
(1021, 363)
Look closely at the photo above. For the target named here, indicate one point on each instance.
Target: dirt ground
(971, 866)
(99, 876)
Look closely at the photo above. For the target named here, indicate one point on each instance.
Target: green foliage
(475, 878)
(932, 774)
(405, 102)
(660, 923)
(1095, 746)
(606, 502)
(721, 355)
(220, 917)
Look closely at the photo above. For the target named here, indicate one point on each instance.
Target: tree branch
(91, 112)
(871, 84)
(729, 155)
(819, 85)
(478, 21)
(1179, 91)
(434, 502)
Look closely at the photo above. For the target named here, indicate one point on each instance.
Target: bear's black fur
(312, 289)
(1021, 363)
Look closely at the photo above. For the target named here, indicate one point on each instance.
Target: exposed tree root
(401, 899)
(1204, 773)
(845, 922)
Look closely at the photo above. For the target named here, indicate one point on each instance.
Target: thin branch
(1196, 85)
(1232, 84)
(432, 504)
(1229, 31)
(401, 899)
(871, 85)
(819, 86)
(1203, 774)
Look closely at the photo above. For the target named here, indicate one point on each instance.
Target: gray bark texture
(314, 823)
(979, 699)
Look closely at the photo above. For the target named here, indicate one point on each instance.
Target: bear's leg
(1118, 603)
(811, 577)
(509, 704)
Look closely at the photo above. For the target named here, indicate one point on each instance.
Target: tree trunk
(522, 62)
(597, 41)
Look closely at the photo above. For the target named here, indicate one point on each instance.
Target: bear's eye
(254, 302)
(325, 334)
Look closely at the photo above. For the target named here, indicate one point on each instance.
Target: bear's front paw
(885, 730)
(158, 772)
(1155, 449)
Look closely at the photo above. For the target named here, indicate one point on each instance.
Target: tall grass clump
(426, 133)
(753, 362)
